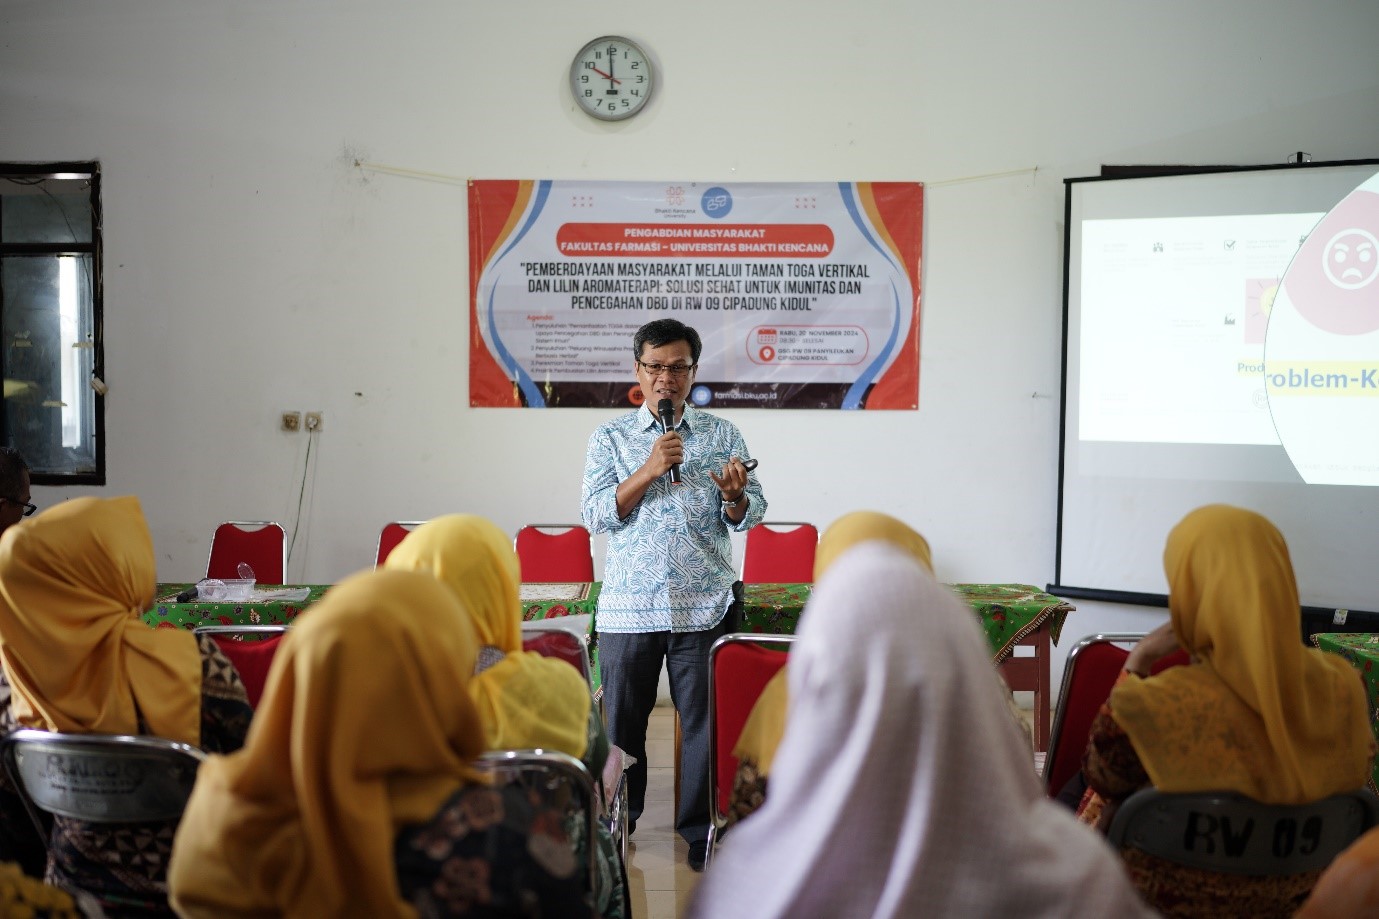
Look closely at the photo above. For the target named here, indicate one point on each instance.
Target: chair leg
(713, 839)
(620, 803)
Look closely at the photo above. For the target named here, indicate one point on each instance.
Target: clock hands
(622, 94)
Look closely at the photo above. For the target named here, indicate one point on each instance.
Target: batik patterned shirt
(670, 561)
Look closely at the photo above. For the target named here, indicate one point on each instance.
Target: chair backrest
(263, 545)
(392, 534)
(561, 781)
(559, 643)
(1233, 834)
(250, 648)
(101, 778)
(740, 666)
(1092, 667)
(563, 556)
(774, 555)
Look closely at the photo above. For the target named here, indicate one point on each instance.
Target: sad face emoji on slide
(1334, 279)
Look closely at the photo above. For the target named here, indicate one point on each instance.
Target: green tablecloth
(550, 601)
(1361, 649)
(1006, 612)
(167, 613)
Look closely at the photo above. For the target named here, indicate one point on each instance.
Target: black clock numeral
(635, 64)
(588, 94)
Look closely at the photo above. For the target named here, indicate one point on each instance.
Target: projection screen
(1221, 344)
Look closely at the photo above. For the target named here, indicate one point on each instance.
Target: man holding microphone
(667, 495)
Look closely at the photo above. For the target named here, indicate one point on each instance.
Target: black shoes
(698, 854)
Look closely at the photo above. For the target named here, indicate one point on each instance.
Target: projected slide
(1321, 349)
(1172, 346)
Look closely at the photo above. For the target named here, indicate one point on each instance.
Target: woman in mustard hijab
(1256, 712)
(74, 584)
(355, 794)
(761, 735)
(524, 700)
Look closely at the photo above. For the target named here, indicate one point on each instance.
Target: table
(1011, 616)
(1361, 649)
(167, 613)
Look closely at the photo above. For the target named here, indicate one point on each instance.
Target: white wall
(251, 267)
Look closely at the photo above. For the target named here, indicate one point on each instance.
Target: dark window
(51, 354)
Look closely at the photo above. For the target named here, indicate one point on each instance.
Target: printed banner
(805, 295)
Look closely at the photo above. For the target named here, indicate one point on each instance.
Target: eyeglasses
(28, 508)
(676, 371)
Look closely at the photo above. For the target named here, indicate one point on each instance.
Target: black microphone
(666, 409)
(187, 595)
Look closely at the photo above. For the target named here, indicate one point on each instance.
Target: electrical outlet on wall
(292, 421)
(314, 421)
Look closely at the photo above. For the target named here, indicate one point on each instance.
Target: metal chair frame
(717, 819)
(408, 525)
(1060, 716)
(100, 778)
(233, 630)
(241, 524)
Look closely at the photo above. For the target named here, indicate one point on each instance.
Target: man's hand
(668, 450)
(733, 479)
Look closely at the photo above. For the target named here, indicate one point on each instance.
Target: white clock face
(611, 78)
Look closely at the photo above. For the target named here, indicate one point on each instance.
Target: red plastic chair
(776, 556)
(1093, 666)
(264, 548)
(561, 644)
(392, 534)
(565, 557)
(740, 666)
(251, 658)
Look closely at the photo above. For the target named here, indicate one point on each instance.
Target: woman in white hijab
(901, 787)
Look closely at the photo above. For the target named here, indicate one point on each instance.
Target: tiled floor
(659, 878)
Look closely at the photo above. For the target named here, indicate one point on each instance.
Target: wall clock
(611, 78)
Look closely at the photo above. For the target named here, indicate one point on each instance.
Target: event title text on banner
(805, 295)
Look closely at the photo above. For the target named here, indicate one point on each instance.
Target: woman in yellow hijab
(1257, 712)
(761, 735)
(355, 794)
(74, 584)
(524, 700)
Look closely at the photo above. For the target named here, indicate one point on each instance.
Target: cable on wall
(301, 497)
